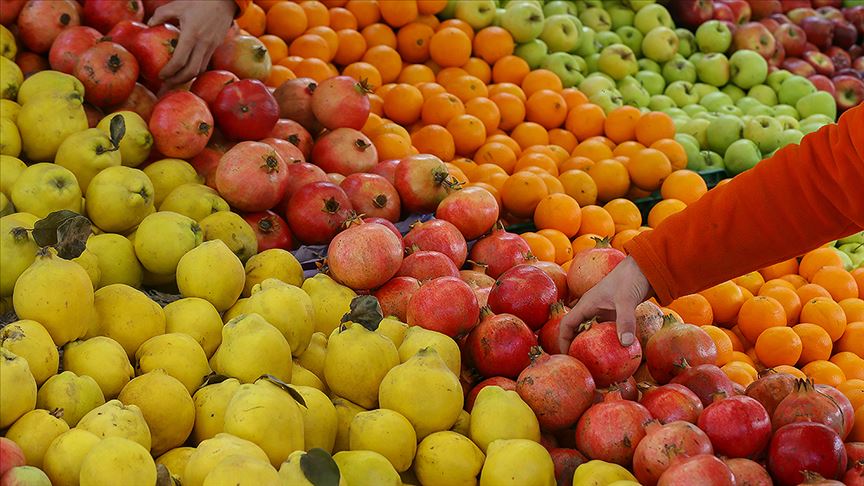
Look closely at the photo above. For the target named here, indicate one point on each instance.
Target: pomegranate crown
(605, 242)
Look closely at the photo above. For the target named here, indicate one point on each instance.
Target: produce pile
(341, 255)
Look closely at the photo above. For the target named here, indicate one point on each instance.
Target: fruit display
(341, 254)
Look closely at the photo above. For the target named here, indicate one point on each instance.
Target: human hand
(613, 299)
(203, 25)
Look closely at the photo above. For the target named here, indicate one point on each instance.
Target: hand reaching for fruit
(613, 299)
(203, 25)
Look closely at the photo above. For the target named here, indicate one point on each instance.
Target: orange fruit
(722, 342)
(776, 282)
(663, 210)
(541, 79)
(573, 97)
(457, 24)
(852, 339)
(435, 140)
(853, 308)
(824, 373)
(627, 149)
(758, 314)
(791, 370)
(415, 75)
(391, 146)
(577, 162)
(479, 69)
(541, 247)
(809, 292)
(596, 220)
(553, 185)
(492, 43)
(398, 13)
(837, 281)
(538, 160)
(547, 108)
(580, 186)
(496, 153)
(751, 281)
(365, 11)
(816, 343)
(316, 13)
(508, 88)
(441, 108)
(450, 47)
(276, 47)
(468, 132)
(726, 299)
(694, 309)
(560, 212)
(527, 134)
(430, 89)
(585, 121)
(851, 364)
(511, 109)
(788, 299)
(564, 139)
(826, 314)
(486, 110)
(673, 151)
(364, 70)
(584, 242)
(342, 18)
(684, 185)
(314, 68)
(654, 126)
(310, 45)
(467, 88)
(858, 275)
(611, 178)
(620, 125)
(814, 260)
(403, 104)
(786, 267)
(386, 60)
(648, 169)
(278, 75)
(431, 7)
(853, 389)
(379, 35)
(522, 192)
(737, 347)
(351, 47)
(622, 238)
(563, 247)
(412, 42)
(778, 346)
(593, 149)
(739, 372)
(624, 213)
(510, 69)
(329, 35)
(286, 20)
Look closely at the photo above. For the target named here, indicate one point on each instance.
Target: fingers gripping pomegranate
(590, 266)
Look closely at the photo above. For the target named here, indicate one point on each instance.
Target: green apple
(723, 131)
(817, 118)
(810, 127)
(702, 89)
(652, 82)
(775, 79)
(713, 36)
(764, 94)
(689, 144)
(587, 43)
(593, 62)
(678, 121)
(606, 39)
(746, 103)
(686, 42)
(790, 136)
(618, 61)
(682, 93)
(677, 113)
(787, 110)
(707, 160)
(620, 16)
(634, 94)
(787, 122)
(638, 5)
(707, 115)
(734, 91)
(760, 110)
(713, 69)
(476, 13)
(765, 131)
(855, 254)
(819, 102)
(556, 7)
(533, 52)
(713, 101)
(652, 16)
(646, 64)
(679, 69)
(561, 33)
(499, 13)
(659, 102)
(608, 99)
(524, 20)
(660, 44)
(741, 155)
(698, 129)
(596, 18)
(793, 89)
(855, 238)
(693, 110)
(730, 110)
(748, 68)
(594, 84)
(631, 37)
(695, 57)
(448, 12)
(566, 67)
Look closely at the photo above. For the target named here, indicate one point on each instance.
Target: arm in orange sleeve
(803, 196)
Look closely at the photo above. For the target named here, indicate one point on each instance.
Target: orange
(435, 140)
(790, 370)
(290, 61)
(611, 179)
(512, 110)
(596, 220)
(450, 47)
(585, 242)
(737, 346)
(310, 45)
(816, 343)
(758, 314)
(398, 13)
(403, 104)
(510, 69)
(506, 140)
(624, 213)
(560, 212)
(479, 69)
(673, 151)
(788, 299)
(431, 7)
(266, 4)
(541, 247)
(467, 88)
(826, 314)
(536, 159)
(694, 309)
(573, 97)
(364, 70)
(739, 372)
(342, 18)
(824, 373)
(722, 342)
(725, 299)
(278, 75)
(286, 20)
(386, 60)
(493, 43)
(379, 35)
(851, 364)
(853, 307)
(486, 110)
(852, 339)
(541, 79)
(814, 260)
(684, 185)
(415, 75)
(329, 35)
(553, 185)
(276, 47)
(577, 162)
(351, 47)
(778, 346)
(837, 281)
(522, 192)
(808, 292)
(853, 389)
(547, 108)
(509, 88)
(752, 281)
(580, 186)
(391, 146)
(314, 68)
(622, 238)
(441, 108)
(496, 153)
(430, 89)
(563, 247)
(457, 24)
(527, 134)
(365, 11)
(653, 126)
(858, 275)
(448, 75)
(780, 269)
(648, 169)
(585, 121)
(663, 210)
(593, 149)
(316, 13)
(468, 133)
(776, 282)
(564, 139)
(620, 125)
(412, 42)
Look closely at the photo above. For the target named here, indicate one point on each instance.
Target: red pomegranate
(108, 73)
(590, 266)
(855, 452)
(499, 251)
(345, 151)
(124, 33)
(271, 231)
(558, 388)
(649, 320)
(341, 102)
(628, 389)
(805, 446)
(205, 164)
(444, 304)
(505, 383)
(94, 114)
(438, 235)
(141, 101)
(387, 224)
(566, 461)
(427, 265)
(855, 475)
(476, 276)
(806, 403)
(289, 153)
(701, 469)
(153, 48)
(293, 132)
(69, 45)
(299, 175)
(673, 345)
(671, 402)
(499, 345)
(208, 84)
(738, 426)
(104, 14)
(181, 125)
(246, 110)
(748, 472)
(611, 430)
(30, 63)
(243, 55)
(845, 407)
(395, 294)
(372, 196)
(364, 256)
(317, 211)
(526, 292)
(252, 176)
(706, 381)
(41, 21)
(423, 182)
(597, 345)
(473, 210)
(295, 102)
(770, 389)
(662, 444)
(10, 11)
(555, 272)
(548, 334)
(387, 169)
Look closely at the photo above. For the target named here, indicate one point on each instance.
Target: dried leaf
(366, 311)
(319, 468)
(72, 237)
(117, 129)
(281, 384)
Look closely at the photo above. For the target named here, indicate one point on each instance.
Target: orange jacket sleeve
(802, 197)
(242, 5)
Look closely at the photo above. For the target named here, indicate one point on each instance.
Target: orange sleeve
(802, 197)
(242, 5)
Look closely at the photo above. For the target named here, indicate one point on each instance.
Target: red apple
(778, 57)
(764, 8)
(845, 34)
(839, 57)
(850, 91)
(819, 30)
(792, 38)
(808, 47)
(693, 13)
(850, 72)
(830, 13)
(770, 23)
(856, 51)
(798, 66)
(822, 83)
(732, 26)
(855, 15)
(821, 62)
(858, 64)
(827, 3)
(799, 14)
(723, 12)
(789, 5)
(756, 37)
(11, 455)
(780, 18)
(740, 10)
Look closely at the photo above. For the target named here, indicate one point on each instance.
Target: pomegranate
(444, 304)
(108, 73)
(555, 272)
(526, 292)
(387, 224)
(738, 426)
(505, 383)
(845, 407)
(341, 102)
(365, 256)
(316, 212)
(69, 45)
(293, 132)
(855, 475)
(662, 444)
(548, 334)
(8, 14)
(141, 101)
(674, 344)
(590, 266)
(566, 461)
(300, 174)
(345, 151)
(473, 210)
(706, 381)
(815, 479)
(597, 345)
(423, 182)
(611, 430)
(770, 389)
(438, 235)
(499, 251)
(649, 320)
(701, 469)
(855, 452)
(805, 446)
(246, 110)
(30, 63)
(387, 169)
(41, 21)
(181, 125)
(806, 403)
(252, 176)
(748, 473)
(104, 14)
(243, 55)
(671, 402)
(476, 275)
(295, 102)
(271, 231)
(124, 33)
(150, 6)
(153, 49)
(205, 164)
(427, 265)
(499, 345)
(558, 388)
(372, 196)
(289, 153)
(208, 84)
(395, 294)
